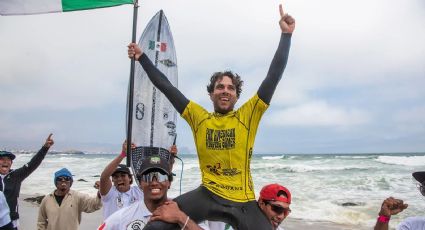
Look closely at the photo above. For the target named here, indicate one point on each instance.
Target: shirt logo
(220, 139)
(136, 225)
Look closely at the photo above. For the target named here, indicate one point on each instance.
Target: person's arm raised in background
(105, 178)
(389, 207)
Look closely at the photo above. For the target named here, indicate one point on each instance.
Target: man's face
(63, 183)
(224, 95)
(122, 181)
(155, 185)
(275, 211)
(5, 164)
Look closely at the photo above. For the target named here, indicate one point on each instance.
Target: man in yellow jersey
(224, 139)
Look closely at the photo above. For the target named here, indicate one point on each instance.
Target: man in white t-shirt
(154, 180)
(119, 194)
(392, 206)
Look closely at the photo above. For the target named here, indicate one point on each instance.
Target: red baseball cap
(274, 192)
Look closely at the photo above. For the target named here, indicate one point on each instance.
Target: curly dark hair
(236, 80)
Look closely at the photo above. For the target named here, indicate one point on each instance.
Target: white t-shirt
(4, 210)
(115, 200)
(132, 217)
(412, 223)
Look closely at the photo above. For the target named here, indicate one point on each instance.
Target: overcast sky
(354, 82)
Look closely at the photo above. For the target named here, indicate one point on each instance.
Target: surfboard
(154, 117)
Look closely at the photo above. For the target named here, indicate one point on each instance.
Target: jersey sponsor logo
(231, 172)
(217, 170)
(228, 187)
(214, 169)
(136, 225)
(220, 139)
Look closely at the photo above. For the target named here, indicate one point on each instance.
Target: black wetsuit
(11, 183)
(201, 204)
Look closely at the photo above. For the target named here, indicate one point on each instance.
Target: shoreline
(28, 212)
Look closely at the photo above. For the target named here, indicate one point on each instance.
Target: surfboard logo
(158, 46)
(155, 160)
(140, 111)
(136, 225)
(167, 62)
(171, 128)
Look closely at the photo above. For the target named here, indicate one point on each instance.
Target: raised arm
(278, 64)
(389, 207)
(105, 177)
(158, 79)
(35, 161)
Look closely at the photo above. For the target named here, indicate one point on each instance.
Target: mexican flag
(158, 46)
(23, 7)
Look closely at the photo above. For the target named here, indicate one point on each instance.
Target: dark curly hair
(236, 80)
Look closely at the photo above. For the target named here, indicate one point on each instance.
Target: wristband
(185, 223)
(123, 154)
(383, 219)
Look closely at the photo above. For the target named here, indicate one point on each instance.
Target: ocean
(339, 188)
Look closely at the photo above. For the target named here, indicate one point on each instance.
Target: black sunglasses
(63, 178)
(276, 208)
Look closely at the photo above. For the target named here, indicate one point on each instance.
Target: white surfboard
(154, 118)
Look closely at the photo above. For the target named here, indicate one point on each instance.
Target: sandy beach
(29, 212)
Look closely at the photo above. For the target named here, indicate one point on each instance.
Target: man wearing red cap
(274, 201)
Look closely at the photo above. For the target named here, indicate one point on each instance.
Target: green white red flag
(24, 7)
(158, 46)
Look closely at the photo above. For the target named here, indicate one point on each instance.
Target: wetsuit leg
(199, 204)
(205, 205)
(250, 217)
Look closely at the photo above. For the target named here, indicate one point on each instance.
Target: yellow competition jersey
(224, 144)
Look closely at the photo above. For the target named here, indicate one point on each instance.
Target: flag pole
(131, 88)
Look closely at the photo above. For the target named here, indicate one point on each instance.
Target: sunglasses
(159, 176)
(63, 178)
(276, 208)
